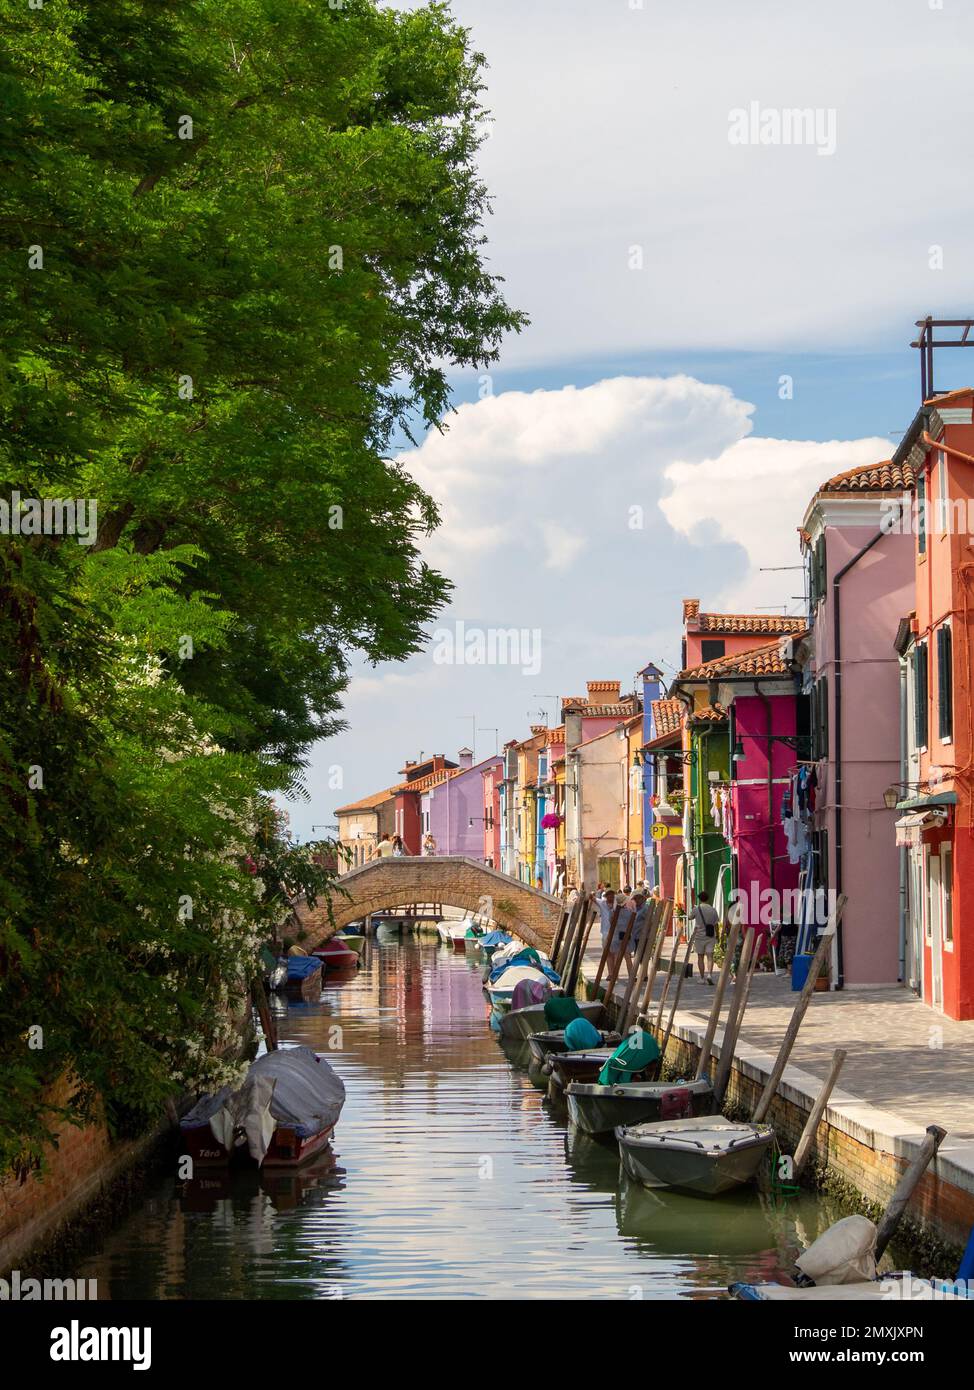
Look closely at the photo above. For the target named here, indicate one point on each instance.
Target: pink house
(492, 775)
(861, 582)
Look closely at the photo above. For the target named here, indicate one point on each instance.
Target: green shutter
(945, 690)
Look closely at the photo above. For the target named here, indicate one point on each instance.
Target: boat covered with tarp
(601, 1109)
(284, 1111)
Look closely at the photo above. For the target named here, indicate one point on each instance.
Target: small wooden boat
(703, 1155)
(602, 1109)
(284, 1112)
(454, 933)
(501, 990)
(335, 955)
(304, 977)
(584, 1067)
(521, 1023)
(542, 1045)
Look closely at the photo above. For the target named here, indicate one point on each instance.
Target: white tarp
(844, 1254)
(291, 1086)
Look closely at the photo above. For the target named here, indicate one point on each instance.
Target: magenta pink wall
(876, 593)
(751, 814)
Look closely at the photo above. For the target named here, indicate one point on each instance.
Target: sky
(722, 299)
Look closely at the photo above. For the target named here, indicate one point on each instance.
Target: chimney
(691, 612)
(537, 729)
(465, 757)
(603, 692)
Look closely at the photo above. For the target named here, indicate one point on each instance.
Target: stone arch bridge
(452, 880)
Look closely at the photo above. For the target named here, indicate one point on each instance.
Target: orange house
(935, 829)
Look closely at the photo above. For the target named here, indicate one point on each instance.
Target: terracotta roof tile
(878, 477)
(709, 714)
(765, 660)
(667, 716)
(369, 803)
(748, 622)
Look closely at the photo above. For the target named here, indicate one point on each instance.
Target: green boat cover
(560, 1009)
(632, 1055)
(580, 1034)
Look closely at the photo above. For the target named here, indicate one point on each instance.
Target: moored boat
(521, 1023)
(705, 1155)
(304, 977)
(500, 990)
(543, 1044)
(602, 1109)
(354, 940)
(335, 955)
(284, 1112)
(453, 933)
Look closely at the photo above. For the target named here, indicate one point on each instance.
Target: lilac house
(453, 810)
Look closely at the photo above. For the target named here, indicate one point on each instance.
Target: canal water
(452, 1176)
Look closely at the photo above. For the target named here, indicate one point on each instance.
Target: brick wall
(85, 1162)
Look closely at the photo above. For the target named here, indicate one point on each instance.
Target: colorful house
(861, 581)
(493, 776)
(661, 758)
(361, 824)
(747, 731)
(586, 717)
(456, 807)
(933, 468)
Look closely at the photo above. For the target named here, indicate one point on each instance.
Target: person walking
(607, 904)
(383, 849)
(705, 921)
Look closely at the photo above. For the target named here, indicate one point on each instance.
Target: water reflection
(452, 1176)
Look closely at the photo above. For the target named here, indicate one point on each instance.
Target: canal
(452, 1177)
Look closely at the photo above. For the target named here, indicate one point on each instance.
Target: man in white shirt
(383, 849)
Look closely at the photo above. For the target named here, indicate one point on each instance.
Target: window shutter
(945, 692)
(920, 695)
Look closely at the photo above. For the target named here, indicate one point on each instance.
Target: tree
(241, 246)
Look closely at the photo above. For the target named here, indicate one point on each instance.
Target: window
(942, 521)
(920, 695)
(945, 690)
(947, 887)
(816, 573)
(711, 648)
(922, 512)
(820, 718)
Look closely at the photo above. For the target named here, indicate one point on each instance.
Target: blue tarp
(496, 938)
(300, 967)
(528, 956)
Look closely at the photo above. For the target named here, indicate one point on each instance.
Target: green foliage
(240, 243)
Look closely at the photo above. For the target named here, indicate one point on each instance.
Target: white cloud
(754, 495)
(538, 490)
(562, 547)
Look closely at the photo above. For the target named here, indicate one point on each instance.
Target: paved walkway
(903, 1057)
